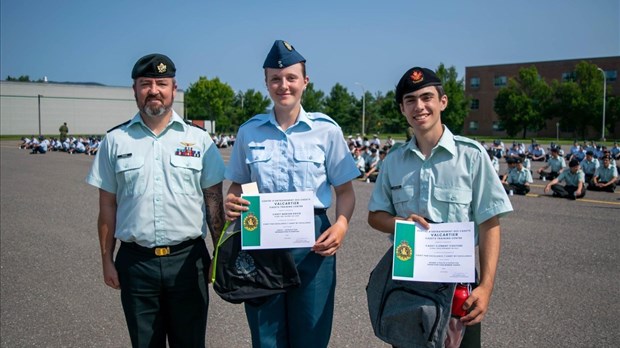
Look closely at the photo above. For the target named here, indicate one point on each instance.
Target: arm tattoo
(215, 211)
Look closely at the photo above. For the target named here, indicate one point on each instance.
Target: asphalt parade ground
(558, 282)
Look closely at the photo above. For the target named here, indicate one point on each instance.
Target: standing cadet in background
(160, 185)
(64, 130)
(441, 177)
(291, 150)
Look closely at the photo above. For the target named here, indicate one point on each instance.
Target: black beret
(518, 160)
(153, 65)
(573, 163)
(554, 149)
(590, 153)
(414, 79)
(282, 55)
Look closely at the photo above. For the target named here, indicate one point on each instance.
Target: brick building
(483, 82)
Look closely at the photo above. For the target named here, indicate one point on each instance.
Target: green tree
(313, 100)
(388, 113)
(340, 105)
(246, 105)
(522, 104)
(579, 103)
(22, 78)
(458, 104)
(210, 100)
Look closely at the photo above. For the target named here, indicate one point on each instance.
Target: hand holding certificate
(444, 253)
(278, 220)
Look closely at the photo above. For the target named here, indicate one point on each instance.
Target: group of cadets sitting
(70, 144)
(369, 154)
(223, 140)
(589, 167)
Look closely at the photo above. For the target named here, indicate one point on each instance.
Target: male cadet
(519, 179)
(555, 164)
(605, 177)
(440, 177)
(589, 165)
(155, 173)
(575, 183)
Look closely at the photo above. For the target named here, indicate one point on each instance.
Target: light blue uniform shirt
(310, 155)
(606, 174)
(517, 176)
(457, 183)
(572, 179)
(556, 164)
(589, 167)
(157, 180)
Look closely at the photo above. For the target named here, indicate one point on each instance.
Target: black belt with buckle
(162, 250)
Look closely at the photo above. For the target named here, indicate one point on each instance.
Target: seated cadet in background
(371, 175)
(605, 177)
(24, 142)
(589, 166)
(360, 163)
(513, 152)
(41, 146)
(527, 163)
(615, 151)
(494, 162)
(555, 164)
(576, 148)
(538, 154)
(519, 179)
(511, 163)
(575, 183)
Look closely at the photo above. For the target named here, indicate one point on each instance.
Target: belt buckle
(162, 251)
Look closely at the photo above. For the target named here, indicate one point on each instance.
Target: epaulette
(118, 126)
(259, 117)
(469, 141)
(317, 116)
(190, 123)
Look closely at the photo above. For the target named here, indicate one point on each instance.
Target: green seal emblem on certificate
(403, 251)
(250, 223)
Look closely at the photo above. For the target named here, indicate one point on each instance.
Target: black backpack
(406, 313)
(250, 275)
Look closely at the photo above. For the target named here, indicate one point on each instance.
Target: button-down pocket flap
(309, 155)
(258, 153)
(186, 162)
(129, 163)
(402, 194)
(452, 195)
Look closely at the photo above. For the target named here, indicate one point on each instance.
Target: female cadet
(290, 150)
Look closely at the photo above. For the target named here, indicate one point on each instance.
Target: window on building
(473, 125)
(569, 76)
(611, 75)
(498, 126)
(474, 82)
(500, 81)
(475, 104)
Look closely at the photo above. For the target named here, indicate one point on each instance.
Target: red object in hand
(461, 293)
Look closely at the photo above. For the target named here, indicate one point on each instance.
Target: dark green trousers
(165, 297)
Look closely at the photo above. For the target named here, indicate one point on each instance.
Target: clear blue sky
(369, 42)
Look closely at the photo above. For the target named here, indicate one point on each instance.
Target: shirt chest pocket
(185, 175)
(309, 168)
(401, 197)
(258, 158)
(130, 175)
(452, 203)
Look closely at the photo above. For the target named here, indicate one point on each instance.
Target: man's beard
(155, 112)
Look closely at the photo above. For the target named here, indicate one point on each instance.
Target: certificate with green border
(278, 220)
(444, 253)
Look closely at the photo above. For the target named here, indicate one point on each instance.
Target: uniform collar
(174, 120)
(446, 141)
(301, 118)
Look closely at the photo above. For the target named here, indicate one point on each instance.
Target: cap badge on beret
(417, 76)
(288, 46)
(162, 68)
